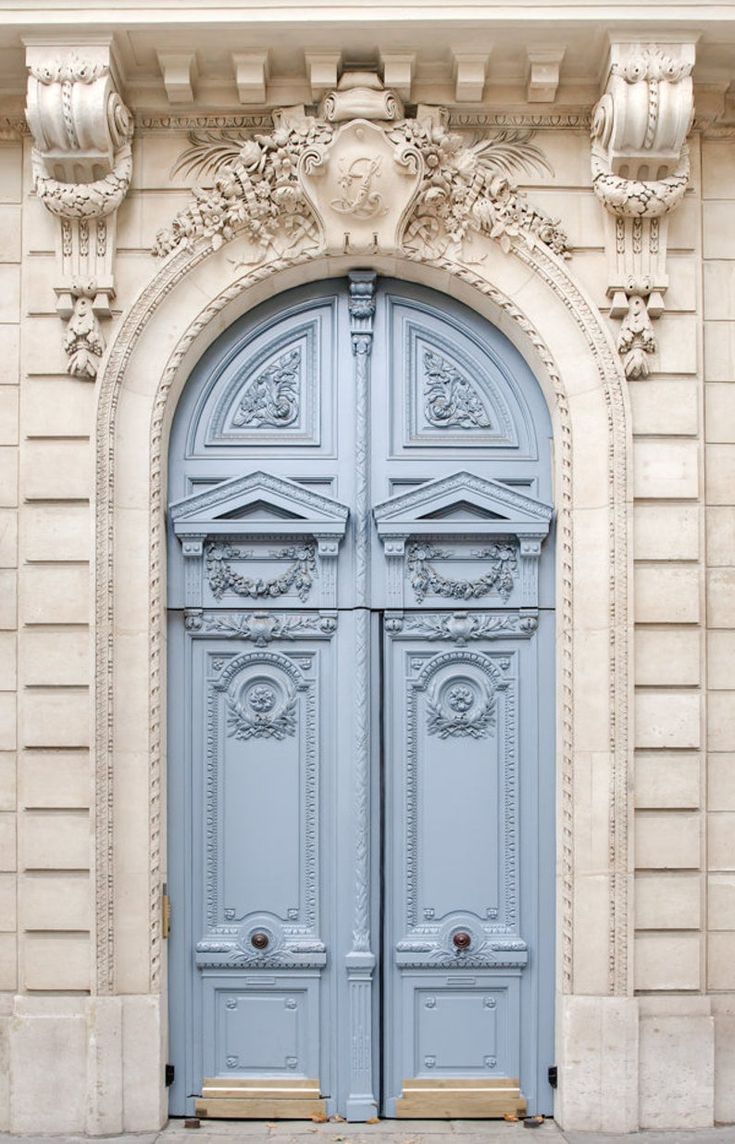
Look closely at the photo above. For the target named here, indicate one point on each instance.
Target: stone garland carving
(273, 398)
(298, 578)
(80, 124)
(639, 129)
(258, 191)
(451, 401)
(466, 189)
(427, 581)
(458, 710)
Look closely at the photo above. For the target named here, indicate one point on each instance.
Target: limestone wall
(683, 419)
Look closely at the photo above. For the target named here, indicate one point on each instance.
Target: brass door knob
(461, 940)
(260, 940)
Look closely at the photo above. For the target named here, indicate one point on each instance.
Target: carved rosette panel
(82, 166)
(269, 697)
(640, 173)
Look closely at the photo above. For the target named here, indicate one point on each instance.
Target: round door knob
(461, 940)
(259, 940)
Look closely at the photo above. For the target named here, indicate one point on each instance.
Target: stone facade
(602, 242)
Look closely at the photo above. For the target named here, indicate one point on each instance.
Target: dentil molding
(82, 165)
(640, 172)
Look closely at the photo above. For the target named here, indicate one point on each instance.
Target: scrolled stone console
(640, 172)
(82, 166)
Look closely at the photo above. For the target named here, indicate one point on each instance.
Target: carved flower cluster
(258, 192)
(464, 190)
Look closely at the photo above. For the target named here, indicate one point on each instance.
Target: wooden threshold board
(460, 1099)
(227, 1099)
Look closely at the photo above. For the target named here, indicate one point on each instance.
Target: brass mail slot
(447, 1099)
(256, 1099)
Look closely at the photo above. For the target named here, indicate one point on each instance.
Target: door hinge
(170, 1073)
(553, 1076)
(165, 912)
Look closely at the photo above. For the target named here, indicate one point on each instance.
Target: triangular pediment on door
(261, 537)
(439, 536)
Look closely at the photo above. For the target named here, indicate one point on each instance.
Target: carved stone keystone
(82, 165)
(640, 171)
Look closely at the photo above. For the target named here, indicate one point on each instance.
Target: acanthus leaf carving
(261, 627)
(460, 627)
(82, 166)
(272, 399)
(451, 400)
(639, 129)
(267, 187)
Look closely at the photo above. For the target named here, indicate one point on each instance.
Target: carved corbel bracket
(640, 171)
(82, 166)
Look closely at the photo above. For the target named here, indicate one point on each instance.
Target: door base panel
(258, 1100)
(460, 1099)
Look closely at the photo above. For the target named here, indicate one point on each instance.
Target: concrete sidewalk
(387, 1132)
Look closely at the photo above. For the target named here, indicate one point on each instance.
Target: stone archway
(530, 293)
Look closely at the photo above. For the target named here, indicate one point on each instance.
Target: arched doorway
(361, 738)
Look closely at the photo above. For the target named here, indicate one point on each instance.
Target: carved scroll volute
(640, 172)
(82, 166)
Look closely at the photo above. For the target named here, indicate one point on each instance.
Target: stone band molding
(82, 166)
(640, 172)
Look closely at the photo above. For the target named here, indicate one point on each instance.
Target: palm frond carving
(510, 152)
(208, 153)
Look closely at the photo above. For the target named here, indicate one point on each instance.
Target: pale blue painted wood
(263, 699)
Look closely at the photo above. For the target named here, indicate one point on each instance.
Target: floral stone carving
(367, 183)
(81, 130)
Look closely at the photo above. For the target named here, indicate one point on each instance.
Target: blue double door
(360, 699)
